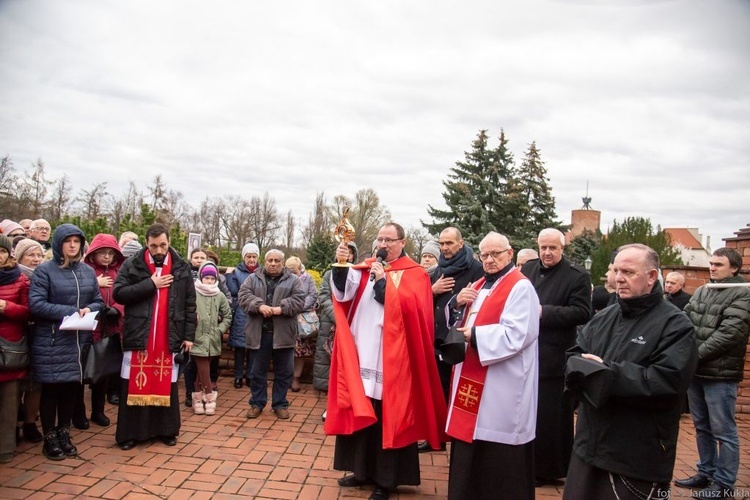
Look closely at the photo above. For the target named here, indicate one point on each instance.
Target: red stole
(465, 403)
(151, 369)
(413, 404)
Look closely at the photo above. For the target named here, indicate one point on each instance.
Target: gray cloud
(645, 100)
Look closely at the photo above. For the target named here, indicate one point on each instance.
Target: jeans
(712, 406)
(283, 368)
(242, 363)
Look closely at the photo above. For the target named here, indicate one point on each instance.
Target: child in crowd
(214, 318)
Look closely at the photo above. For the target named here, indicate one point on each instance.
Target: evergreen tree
(320, 252)
(532, 196)
(476, 192)
(583, 246)
(632, 230)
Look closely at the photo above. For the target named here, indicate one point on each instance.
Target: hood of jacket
(100, 241)
(61, 232)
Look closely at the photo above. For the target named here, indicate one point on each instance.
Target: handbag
(104, 359)
(308, 325)
(453, 350)
(13, 355)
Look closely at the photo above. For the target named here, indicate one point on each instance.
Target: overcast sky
(646, 100)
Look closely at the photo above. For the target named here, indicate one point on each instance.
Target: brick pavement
(229, 456)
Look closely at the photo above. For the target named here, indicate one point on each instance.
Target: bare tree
(32, 192)
(237, 222)
(208, 220)
(416, 238)
(94, 202)
(59, 204)
(319, 222)
(265, 221)
(8, 188)
(289, 230)
(367, 216)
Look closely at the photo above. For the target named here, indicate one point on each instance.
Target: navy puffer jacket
(235, 279)
(55, 292)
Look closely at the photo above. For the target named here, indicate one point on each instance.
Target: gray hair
(550, 231)
(276, 251)
(651, 257)
(495, 236)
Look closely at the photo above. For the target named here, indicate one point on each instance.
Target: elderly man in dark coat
(564, 291)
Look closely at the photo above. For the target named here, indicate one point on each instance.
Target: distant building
(583, 219)
(689, 242)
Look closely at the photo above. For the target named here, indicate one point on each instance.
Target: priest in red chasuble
(492, 412)
(384, 392)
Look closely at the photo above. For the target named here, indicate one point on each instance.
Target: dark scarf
(9, 275)
(457, 264)
(640, 305)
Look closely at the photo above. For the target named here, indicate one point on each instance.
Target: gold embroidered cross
(468, 395)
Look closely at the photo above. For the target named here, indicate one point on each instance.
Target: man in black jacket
(629, 416)
(673, 284)
(564, 291)
(156, 287)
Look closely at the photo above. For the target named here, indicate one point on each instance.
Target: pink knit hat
(24, 246)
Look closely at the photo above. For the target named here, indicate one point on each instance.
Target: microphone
(381, 255)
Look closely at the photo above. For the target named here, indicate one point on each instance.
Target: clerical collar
(490, 279)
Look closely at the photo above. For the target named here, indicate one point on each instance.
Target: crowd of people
(538, 344)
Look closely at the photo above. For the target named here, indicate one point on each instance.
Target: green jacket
(721, 317)
(214, 318)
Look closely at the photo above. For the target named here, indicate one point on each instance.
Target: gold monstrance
(344, 233)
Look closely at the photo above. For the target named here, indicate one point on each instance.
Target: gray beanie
(250, 248)
(432, 248)
(131, 248)
(24, 246)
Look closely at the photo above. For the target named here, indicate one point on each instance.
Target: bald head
(525, 255)
(451, 242)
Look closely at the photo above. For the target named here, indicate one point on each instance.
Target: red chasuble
(413, 404)
(151, 369)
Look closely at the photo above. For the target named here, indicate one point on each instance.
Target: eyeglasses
(494, 255)
(106, 253)
(42, 229)
(387, 241)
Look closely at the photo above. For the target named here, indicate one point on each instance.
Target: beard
(158, 260)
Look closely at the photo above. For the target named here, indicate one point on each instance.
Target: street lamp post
(587, 264)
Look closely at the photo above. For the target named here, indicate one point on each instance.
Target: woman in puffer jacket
(61, 287)
(14, 315)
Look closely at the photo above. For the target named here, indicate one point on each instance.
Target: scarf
(456, 264)
(206, 290)
(9, 275)
(150, 380)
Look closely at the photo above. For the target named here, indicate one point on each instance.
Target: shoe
(253, 412)
(81, 424)
(188, 399)
(238, 383)
(31, 433)
(198, 406)
(696, 481)
(51, 447)
(295, 385)
(19, 437)
(127, 445)
(380, 494)
(113, 399)
(714, 490)
(63, 435)
(210, 403)
(350, 481)
(6, 458)
(324, 415)
(100, 419)
(168, 440)
(282, 414)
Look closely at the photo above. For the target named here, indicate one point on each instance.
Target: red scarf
(150, 381)
(465, 403)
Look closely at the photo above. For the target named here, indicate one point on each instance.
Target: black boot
(51, 448)
(31, 433)
(98, 395)
(63, 434)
